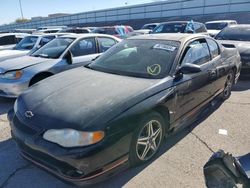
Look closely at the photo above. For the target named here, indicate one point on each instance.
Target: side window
(197, 27)
(84, 47)
(8, 40)
(196, 52)
(105, 43)
(214, 49)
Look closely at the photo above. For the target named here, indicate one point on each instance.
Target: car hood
(81, 97)
(6, 54)
(20, 63)
(242, 46)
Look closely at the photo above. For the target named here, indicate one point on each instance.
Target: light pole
(21, 9)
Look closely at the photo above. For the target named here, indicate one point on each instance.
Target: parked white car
(214, 27)
(62, 53)
(9, 40)
(27, 44)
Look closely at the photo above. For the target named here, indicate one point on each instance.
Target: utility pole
(21, 9)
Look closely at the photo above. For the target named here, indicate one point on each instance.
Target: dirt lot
(180, 160)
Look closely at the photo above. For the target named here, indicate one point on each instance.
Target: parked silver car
(62, 53)
(27, 45)
(9, 40)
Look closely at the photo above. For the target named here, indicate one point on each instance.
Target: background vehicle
(150, 26)
(138, 32)
(60, 54)
(116, 111)
(51, 27)
(27, 45)
(180, 27)
(77, 30)
(118, 31)
(238, 36)
(214, 27)
(9, 40)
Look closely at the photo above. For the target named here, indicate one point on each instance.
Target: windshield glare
(54, 48)
(234, 33)
(139, 58)
(27, 43)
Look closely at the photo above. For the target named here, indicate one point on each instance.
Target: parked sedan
(9, 40)
(91, 121)
(27, 45)
(60, 54)
(214, 27)
(238, 36)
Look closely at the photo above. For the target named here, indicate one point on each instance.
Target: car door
(192, 90)
(104, 43)
(84, 50)
(217, 61)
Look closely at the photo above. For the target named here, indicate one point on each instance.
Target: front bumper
(80, 166)
(11, 89)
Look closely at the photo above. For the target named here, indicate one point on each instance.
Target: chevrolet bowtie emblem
(29, 114)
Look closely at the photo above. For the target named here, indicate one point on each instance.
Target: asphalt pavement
(178, 164)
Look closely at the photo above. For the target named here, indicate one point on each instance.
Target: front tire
(147, 138)
(228, 85)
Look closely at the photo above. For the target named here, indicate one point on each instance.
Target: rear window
(216, 26)
(234, 33)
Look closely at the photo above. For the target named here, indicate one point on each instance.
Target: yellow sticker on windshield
(154, 70)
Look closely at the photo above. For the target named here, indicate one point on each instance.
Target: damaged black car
(90, 122)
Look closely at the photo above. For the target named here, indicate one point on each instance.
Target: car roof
(221, 21)
(21, 34)
(181, 37)
(86, 35)
(184, 22)
(240, 26)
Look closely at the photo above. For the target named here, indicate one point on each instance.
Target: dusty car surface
(9, 40)
(60, 54)
(238, 36)
(26, 45)
(117, 110)
(214, 27)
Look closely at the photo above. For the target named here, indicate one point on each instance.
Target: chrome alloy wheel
(149, 140)
(228, 84)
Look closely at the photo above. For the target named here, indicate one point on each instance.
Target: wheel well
(39, 77)
(165, 114)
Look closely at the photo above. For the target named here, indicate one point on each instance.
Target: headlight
(12, 75)
(73, 138)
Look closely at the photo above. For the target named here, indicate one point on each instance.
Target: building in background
(138, 15)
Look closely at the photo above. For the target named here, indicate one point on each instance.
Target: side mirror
(189, 68)
(68, 57)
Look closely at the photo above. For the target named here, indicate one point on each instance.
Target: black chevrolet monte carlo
(87, 123)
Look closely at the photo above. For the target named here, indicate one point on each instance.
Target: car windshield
(54, 48)
(138, 58)
(216, 26)
(170, 28)
(234, 33)
(27, 43)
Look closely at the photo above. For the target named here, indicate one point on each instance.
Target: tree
(20, 20)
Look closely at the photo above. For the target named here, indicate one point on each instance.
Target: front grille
(24, 128)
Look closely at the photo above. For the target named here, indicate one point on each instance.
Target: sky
(10, 10)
